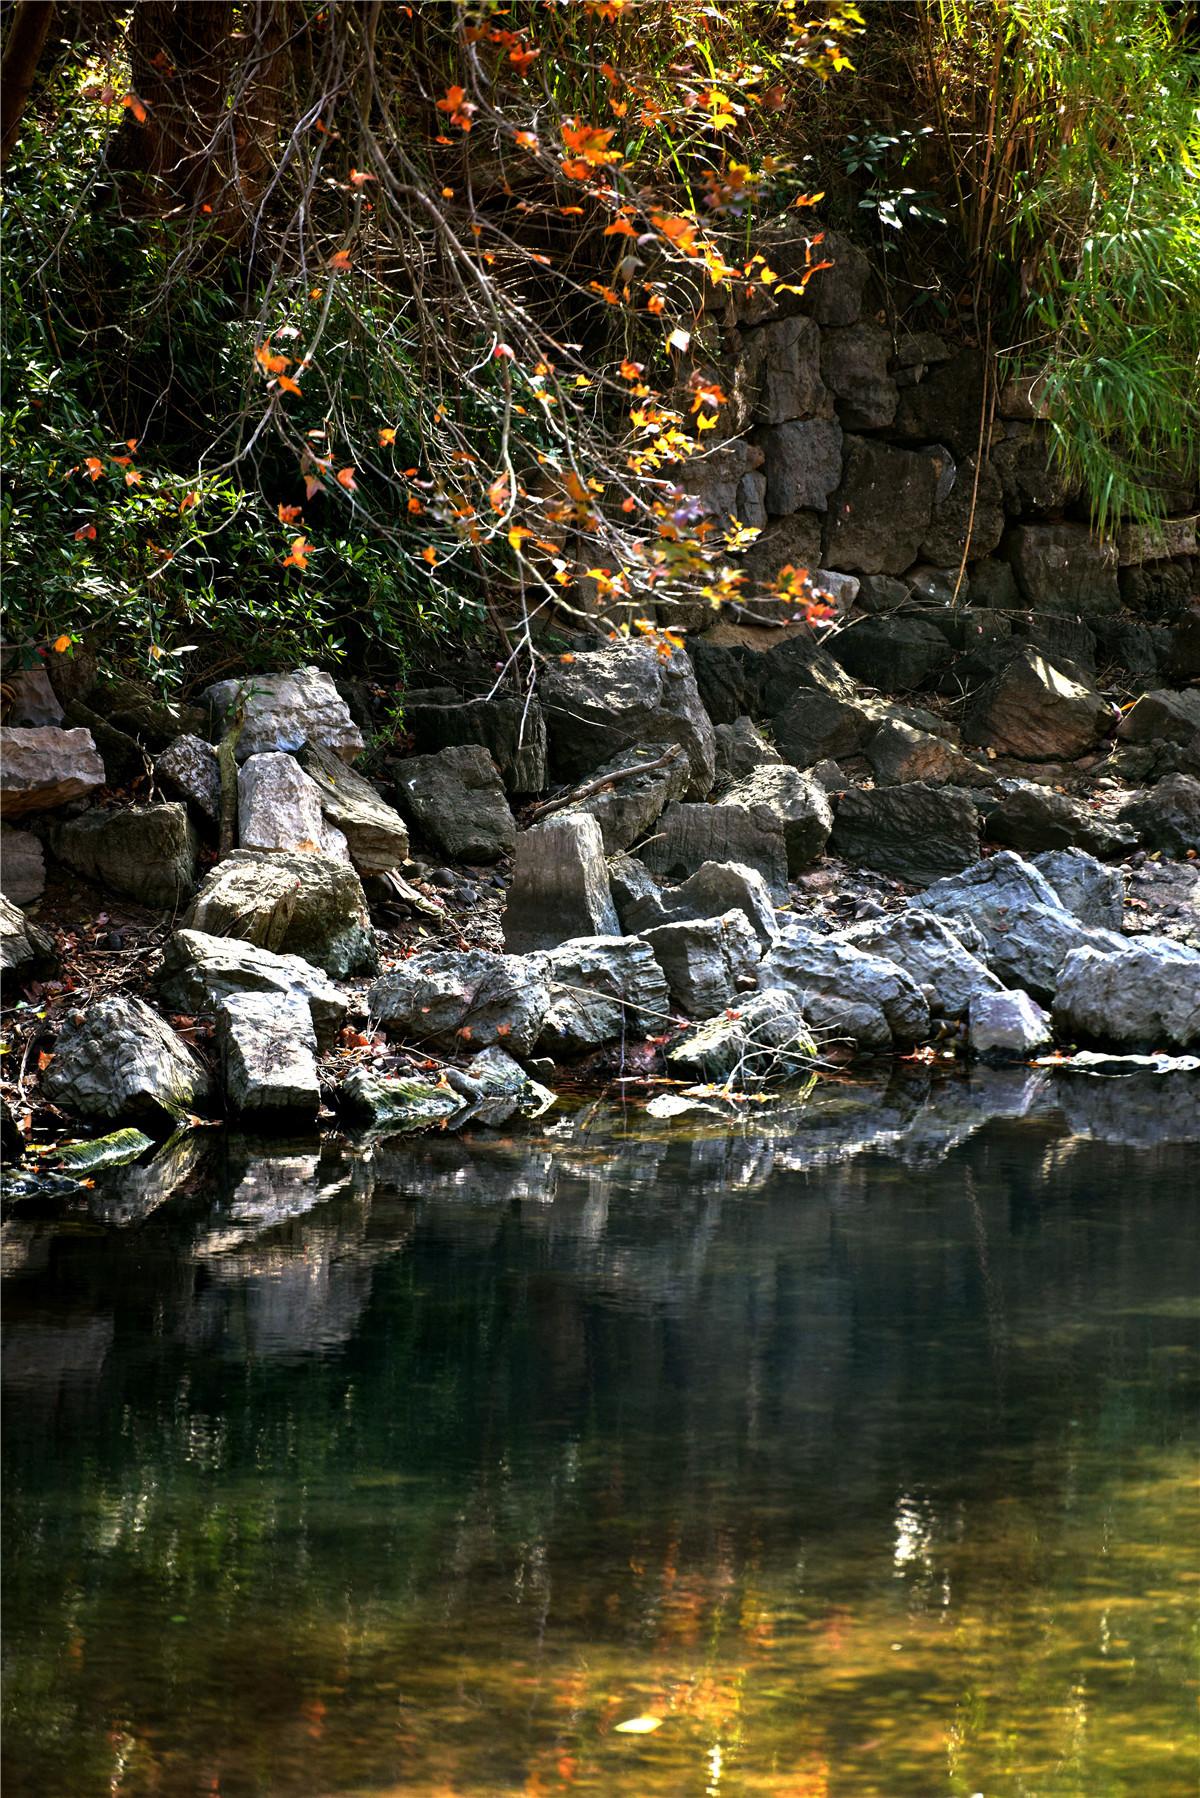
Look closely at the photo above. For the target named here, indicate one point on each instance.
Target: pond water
(852, 1452)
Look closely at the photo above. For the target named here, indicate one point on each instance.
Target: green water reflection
(860, 1450)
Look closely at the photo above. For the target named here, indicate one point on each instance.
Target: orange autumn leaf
(133, 477)
(345, 478)
(288, 514)
(312, 486)
(522, 60)
(340, 259)
(287, 385)
(619, 228)
(526, 140)
(269, 361)
(62, 644)
(359, 177)
(414, 505)
(86, 534)
(590, 142)
(299, 553)
(94, 466)
(387, 436)
(189, 500)
(429, 554)
(135, 106)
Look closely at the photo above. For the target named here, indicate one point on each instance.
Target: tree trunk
(22, 53)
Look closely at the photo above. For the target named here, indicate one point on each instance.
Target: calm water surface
(857, 1449)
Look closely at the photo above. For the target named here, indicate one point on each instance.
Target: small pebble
(442, 877)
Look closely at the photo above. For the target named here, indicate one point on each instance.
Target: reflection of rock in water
(128, 1194)
(56, 1359)
(1132, 1108)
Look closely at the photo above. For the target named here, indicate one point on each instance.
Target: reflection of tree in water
(452, 1456)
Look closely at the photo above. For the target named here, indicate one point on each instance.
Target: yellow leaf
(638, 1726)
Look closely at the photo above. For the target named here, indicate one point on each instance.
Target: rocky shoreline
(597, 885)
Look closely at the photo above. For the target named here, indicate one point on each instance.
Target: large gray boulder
(199, 971)
(803, 465)
(458, 999)
(268, 1056)
(1144, 995)
(122, 1063)
(706, 961)
(1084, 886)
(1034, 710)
(279, 808)
(147, 851)
(627, 810)
(847, 992)
(1064, 568)
(933, 952)
(601, 701)
(882, 510)
(603, 989)
(510, 726)
(797, 801)
(456, 800)
(559, 886)
(22, 866)
(1168, 816)
(1028, 816)
(374, 831)
(189, 767)
(306, 905)
(763, 1036)
(1028, 933)
(636, 895)
(915, 832)
(1007, 1025)
(1163, 715)
(43, 767)
(284, 711)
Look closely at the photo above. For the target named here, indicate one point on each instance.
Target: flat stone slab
(307, 905)
(268, 1055)
(199, 971)
(285, 711)
(374, 831)
(559, 887)
(43, 767)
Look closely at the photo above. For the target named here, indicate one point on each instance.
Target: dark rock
(30, 700)
(44, 767)
(455, 799)
(971, 517)
(629, 809)
(635, 894)
(704, 960)
(1063, 568)
(741, 748)
(802, 463)
(559, 887)
(1067, 642)
(1138, 648)
(606, 700)
(1162, 714)
(147, 851)
(834, 296)
(1163, 539)
(1033, 710)
(123, 1064)
(189, 765)
(828, 776)
(512, 731)
(1033, 481)
(1168, 816)
(268, 1056)
(854, 366)
(946, 406)
(690, 835)
(882, 510)
(794, 541)
(993, 583)
(719, 887)
(306, 905)
(892, 654)
(390, 1104)
(915, 832)
(284, 711)
(778, 374)
(799, 804)
(603, 989)
(1143, 996)
(898, 754)
(22, 866)
(200, 971)
(736, 679)
(817, 726)
(1027, 816)
(1085, 887)
(882, 593)
(469, 998)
